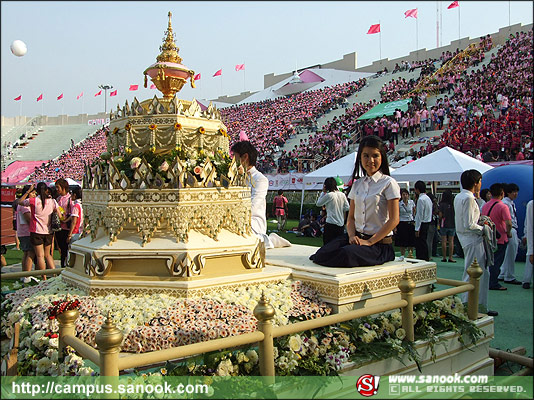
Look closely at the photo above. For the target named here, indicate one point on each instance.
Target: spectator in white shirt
(529, 239)
(511, 191)
(336, 205)
(423, 219)
(466, 215)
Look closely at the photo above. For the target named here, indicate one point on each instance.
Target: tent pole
(301, 199)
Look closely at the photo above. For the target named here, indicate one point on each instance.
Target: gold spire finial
(169, 51)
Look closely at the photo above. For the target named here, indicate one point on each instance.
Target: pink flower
(197, 170)
(164, 166)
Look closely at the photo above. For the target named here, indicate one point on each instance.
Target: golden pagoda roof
(169, 51)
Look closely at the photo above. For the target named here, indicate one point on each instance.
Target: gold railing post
(66, 320)
(264, 312)
(109, 340)
(407, 286)
(475, 272)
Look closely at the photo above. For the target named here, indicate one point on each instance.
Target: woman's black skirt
(405, 236)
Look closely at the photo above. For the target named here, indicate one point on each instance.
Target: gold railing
(109, 339)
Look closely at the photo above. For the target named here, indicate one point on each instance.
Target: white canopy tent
(342, 167)
(446, 164)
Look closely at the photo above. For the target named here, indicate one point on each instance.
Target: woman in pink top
(41, 235)
(23, 215)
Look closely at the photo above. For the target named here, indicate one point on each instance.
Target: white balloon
(18, 48)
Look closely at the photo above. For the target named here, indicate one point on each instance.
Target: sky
(74, 47)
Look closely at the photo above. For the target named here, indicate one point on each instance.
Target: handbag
(55, 224)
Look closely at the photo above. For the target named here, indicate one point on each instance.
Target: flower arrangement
(159, 321)
(152, 127)
(127, 127)
(60, 306)
(201, 130)
(177, 126)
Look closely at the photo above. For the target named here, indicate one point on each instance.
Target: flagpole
(459, 23)
(437, 24)
(417, 37)
(441, 24)
(380, 41)
(244, 72)
(509, 24)
(20, 110)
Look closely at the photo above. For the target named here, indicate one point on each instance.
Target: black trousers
(421, 245)
(332, 231)
(63, 244)
(339, 253)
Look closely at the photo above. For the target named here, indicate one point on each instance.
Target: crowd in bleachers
(70, 164)
(486, 113)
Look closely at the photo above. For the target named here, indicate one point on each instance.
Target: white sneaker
(33, 278)
(26, 279)
(401, 258)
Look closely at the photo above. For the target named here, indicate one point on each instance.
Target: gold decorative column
(264, 312)
(67, 320)
(407, 286)
(109, 340)
(475, 272)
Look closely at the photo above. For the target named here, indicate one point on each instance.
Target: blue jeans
(495, 269)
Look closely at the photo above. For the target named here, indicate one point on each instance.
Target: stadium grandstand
(476, 99)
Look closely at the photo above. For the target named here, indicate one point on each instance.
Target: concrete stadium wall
(349, 61)
(8, 122)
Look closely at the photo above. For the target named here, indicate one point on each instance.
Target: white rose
(295, 343)
(400, 333)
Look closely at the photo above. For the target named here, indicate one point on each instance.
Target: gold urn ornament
(168, 74)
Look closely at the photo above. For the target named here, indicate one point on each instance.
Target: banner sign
(386, 109)
(99, 121)
(8, 195)
(292, 181)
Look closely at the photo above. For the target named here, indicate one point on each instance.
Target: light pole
(105, 87)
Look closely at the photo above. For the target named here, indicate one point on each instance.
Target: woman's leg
(444, 248)
(402, 251)
(48, 257)
(451, 248)
(40, 258)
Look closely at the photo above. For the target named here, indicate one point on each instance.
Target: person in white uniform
(470, 234)
(511, 191)
(529, 238)
(336, 205)
(258, 183)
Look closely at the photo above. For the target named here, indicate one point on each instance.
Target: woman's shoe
(452, 261)
(443, 260)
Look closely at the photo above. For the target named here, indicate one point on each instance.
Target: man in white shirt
(259, 184)
(466, 215)
(511, 191)
(529, 237)
(423, 219)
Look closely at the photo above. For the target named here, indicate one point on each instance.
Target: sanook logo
(367, 385)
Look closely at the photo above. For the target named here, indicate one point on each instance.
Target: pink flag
(134, 87)
(240, 67)
(374, 29)
(114, 93)
(197, 77)
(98, 94)
(40, 97)
(411, 13)
(152, 86)
(218, 73)
(243, 135)
(454, 4)
(60, 96)
(18, 98)
(79, 96)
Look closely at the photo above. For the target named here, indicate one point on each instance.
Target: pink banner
(501, 163)
(18, 170)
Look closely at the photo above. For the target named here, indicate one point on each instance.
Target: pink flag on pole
(197, 77)
(454, 4)
(411, 13)
(240, 67)
(60, 96)
(114, 93)
(79, 96)
(374, 29)
(152, 86)
(98, 94)
(18, 98)
(40, 97)
(134, 87)
(218, 73)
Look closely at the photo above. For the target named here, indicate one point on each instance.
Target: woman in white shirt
(336, 205)
(373, 213)
(405, 232)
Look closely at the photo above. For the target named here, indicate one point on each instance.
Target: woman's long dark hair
(376, 143)
(447, 197)
(41, 190)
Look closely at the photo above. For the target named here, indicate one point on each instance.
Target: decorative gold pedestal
(352, 288)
